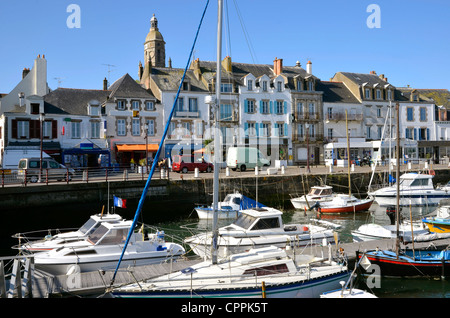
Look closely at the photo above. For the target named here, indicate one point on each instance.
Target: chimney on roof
(226, 64)
(105, 84)
(25, 72)
(297, 64)
(373, 72)
(278, 66)
(170, 62)
(309, 67)
(383, 78)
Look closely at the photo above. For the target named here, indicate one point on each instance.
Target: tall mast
(348, 156)
(217, 148)
(397, 212)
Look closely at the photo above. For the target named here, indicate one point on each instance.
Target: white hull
(369, 232)
(56, 264)
(410, 199)
(201, 244)
(235, 278)
(207, 214)
(301, 204)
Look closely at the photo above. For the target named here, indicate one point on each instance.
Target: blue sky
(411, 47)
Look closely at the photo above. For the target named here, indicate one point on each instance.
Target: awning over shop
(150, 147)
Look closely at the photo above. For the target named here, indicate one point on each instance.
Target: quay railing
(11, 177)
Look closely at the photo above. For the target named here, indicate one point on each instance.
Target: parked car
(30, 167)
(187, 163)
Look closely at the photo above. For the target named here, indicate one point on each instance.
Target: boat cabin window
(115, 236)
(419, 182)
(269, 223)
(244, 220)
(326, 192)
(86, 226)
(237, 200)
(97, 234)
(267, 270)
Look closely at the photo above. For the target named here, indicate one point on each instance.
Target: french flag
(119, 202)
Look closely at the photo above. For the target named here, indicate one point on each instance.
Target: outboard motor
(390, 211)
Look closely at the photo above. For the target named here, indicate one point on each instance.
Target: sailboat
(344, 203)
(260, 272)
(407, 263)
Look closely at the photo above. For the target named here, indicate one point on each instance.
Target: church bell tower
(154, 46)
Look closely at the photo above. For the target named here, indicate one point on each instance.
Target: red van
(187, 163)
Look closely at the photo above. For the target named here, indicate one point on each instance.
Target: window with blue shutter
(257, 129)
(246, 129)
(271, 107)
(246, 106)
(285, 107)
(285, 129)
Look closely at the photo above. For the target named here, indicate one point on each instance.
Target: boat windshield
(86, 226)
(227, 198)
(101, 236)
(244, 220)
(326, 192)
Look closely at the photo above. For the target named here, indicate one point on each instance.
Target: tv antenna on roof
(109, 69)
(59, 79)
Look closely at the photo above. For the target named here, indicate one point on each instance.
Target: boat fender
(431, 172)
(305, 229)
(48, 237)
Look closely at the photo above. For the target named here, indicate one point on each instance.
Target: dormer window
(35, 109)
(250, 85)
(279, 86)
(311, 85)
(389, 94)
(186, 86)
(367, 93)
(299, 84)
(378, 94)
(264, 86)
(94, 111)
(226, 88)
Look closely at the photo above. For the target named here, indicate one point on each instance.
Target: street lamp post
(307, 148)
(146, 147)
(41, 121)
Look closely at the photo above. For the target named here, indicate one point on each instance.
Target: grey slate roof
(127, 87)
(168, 79)
(240, 70)
(336, 92)
(72, 101)
(360, 78)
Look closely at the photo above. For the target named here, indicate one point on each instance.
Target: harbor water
(182, 221)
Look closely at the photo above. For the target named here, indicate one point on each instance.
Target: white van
(245, 157)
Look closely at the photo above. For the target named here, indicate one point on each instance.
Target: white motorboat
(229, 208)
(261, 228)
(264, 272)
(103, 247)
(407, 230)
(416, 189)
(372, 231)
(51, 241)
(316, 194)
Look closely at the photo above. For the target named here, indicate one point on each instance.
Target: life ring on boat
(431, 172)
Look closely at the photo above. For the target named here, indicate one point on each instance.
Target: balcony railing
(303, 137)
(341, 117)
(186, 113)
